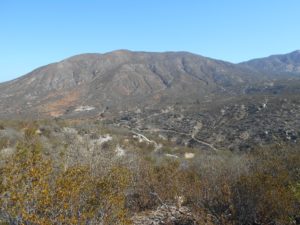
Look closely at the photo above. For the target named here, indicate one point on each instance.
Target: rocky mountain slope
(117, 79)
(189, 99)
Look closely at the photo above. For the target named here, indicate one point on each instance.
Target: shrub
(32, 191)
(264, 195)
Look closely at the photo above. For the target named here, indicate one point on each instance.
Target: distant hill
(286, 64)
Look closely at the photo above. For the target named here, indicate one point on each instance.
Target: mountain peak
(120, 52)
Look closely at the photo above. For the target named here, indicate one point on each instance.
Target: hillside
(184, 97)
(118, 79)
(151, 138)
(280, 65)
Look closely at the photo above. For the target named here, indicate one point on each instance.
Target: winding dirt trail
(137, 132)
(185, 134)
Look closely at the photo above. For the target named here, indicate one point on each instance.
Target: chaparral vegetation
(72, 172)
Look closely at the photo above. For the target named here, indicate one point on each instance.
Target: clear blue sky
(37, 32)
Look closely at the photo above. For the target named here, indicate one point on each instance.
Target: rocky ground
(165, 215)
(235, 124)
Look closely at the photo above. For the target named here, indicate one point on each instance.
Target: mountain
(95, 82)
(286, 64)
(186, 98)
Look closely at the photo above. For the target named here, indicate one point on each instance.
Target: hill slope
(117, 79)
(286, 64)
(186, 98)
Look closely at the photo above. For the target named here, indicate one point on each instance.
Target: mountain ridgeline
(126, 79)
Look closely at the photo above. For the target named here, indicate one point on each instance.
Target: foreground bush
(33, 192)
